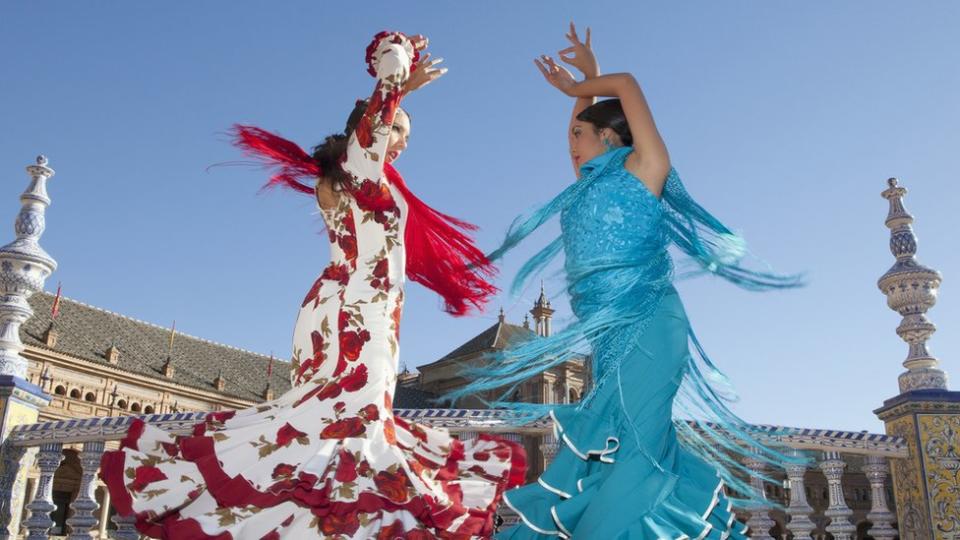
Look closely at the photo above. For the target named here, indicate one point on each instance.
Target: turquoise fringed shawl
(615, 237)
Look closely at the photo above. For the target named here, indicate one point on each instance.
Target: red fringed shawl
(440, 255)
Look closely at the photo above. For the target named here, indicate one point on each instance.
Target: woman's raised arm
(391, 57)
(649, 160)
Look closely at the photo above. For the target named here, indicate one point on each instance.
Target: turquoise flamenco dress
(648, 451)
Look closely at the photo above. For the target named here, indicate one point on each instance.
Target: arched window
(122, 404)
(60, 390)
(91, 397)
(75, 394)
(148, 409)
(134, 407)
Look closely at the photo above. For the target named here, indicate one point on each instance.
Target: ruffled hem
(691, 508)
(451, 517)
(588, 432)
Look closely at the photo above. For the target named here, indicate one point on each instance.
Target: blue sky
(785, 119)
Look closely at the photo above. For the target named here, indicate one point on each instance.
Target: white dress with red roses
(328, 459)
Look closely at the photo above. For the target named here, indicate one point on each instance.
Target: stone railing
(834, 453)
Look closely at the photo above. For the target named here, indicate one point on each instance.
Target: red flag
(55, 310)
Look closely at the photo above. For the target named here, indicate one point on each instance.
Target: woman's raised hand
(579, 54)
(426, 71)
(555, 74)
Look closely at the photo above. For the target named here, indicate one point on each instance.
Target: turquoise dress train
(648, 451)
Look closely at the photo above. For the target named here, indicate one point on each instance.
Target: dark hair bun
(608, 114)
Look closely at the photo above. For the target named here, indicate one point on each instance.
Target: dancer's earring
(605, 139)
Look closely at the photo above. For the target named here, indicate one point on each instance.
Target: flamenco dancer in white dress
(328, 459)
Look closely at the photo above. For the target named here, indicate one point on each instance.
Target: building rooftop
(86, 332)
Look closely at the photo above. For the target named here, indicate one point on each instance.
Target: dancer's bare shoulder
(327, 196)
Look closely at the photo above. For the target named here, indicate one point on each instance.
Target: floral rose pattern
(328, 459)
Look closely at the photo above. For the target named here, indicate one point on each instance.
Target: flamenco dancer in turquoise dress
(631, 463)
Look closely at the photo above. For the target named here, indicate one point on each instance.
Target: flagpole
(173, 332)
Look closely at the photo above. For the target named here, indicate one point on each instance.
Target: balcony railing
(836, 454)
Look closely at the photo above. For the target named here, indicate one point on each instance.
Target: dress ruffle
(688, 504)
(432, 484)
(620, 470)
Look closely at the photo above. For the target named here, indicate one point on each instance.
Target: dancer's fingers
(545, 60)
(434, 75)
(588, 37)
(419, 42)
(542, 69)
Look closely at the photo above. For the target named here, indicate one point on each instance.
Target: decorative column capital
(876, 468)
(548, 448)
(832, 465)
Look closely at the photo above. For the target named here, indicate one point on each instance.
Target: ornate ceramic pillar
(911, 290)
(759, 522)
(126, 527)
(13, 458)
(877, 470)
(926, 414)
(799, 509)
(39, 523)
(839, 513)
(83, 519)
(24, 267)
